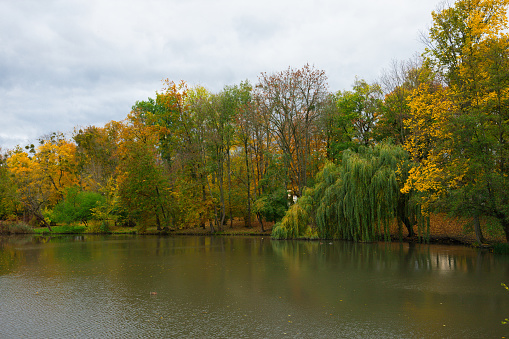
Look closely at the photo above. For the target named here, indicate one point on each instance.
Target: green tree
(220, 110)
(337, 126)
(77, 206)
(143, 186)
(272, 201)
(359, 111)
(180, 116)
(7, 192)
(245, 122)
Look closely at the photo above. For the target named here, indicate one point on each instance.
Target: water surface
(135, 286)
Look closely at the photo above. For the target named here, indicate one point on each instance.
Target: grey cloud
(69, 63)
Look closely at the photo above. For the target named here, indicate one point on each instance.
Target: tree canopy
(430, 136)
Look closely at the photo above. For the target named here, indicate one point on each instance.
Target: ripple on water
(102, 289)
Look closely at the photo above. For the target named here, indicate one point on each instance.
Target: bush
(99, 228)
(15, 228)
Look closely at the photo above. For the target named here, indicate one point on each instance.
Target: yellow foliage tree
(42, 178)
(460, 132)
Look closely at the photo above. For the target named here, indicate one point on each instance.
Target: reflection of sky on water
(246, 287)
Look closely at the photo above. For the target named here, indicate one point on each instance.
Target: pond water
(245, 287)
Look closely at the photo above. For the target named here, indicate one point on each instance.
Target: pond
(167, 287)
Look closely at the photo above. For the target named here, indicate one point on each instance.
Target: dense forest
(431, 135)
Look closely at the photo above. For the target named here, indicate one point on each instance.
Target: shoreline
(433, 240)
(443, 231)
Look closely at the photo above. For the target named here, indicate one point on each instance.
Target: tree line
(430, 135)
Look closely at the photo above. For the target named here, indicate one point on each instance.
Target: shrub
(15, 228)
(99, 228)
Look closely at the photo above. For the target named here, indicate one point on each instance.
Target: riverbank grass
(62, 229)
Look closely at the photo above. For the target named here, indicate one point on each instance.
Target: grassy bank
(443, 230)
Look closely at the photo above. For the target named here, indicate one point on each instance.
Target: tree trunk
(41, 219)
(212, 230)
(220, 173)
(221, 200)
(248, 221)
(260, 220)
(158, 222)
(478, 231)
(204, 202)
(163, 212)
(403, 215)
(409, 226)
(228, 166)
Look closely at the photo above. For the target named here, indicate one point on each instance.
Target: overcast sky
(77, 63)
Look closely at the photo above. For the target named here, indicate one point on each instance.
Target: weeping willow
(362, 201)
(296, 221)
(356, 200)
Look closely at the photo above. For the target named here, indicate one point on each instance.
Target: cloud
(74, 63)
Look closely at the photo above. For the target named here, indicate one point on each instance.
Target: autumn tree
(398, 83)
(468, 46)
(292, 102)
(143, 187)
(428, 142)
(207, 155)
(177, 114)
(96, 153)
(245, 122)
(237, 114)
(44, 173)
(219, 112)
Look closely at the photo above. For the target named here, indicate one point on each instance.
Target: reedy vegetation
(432, 135)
